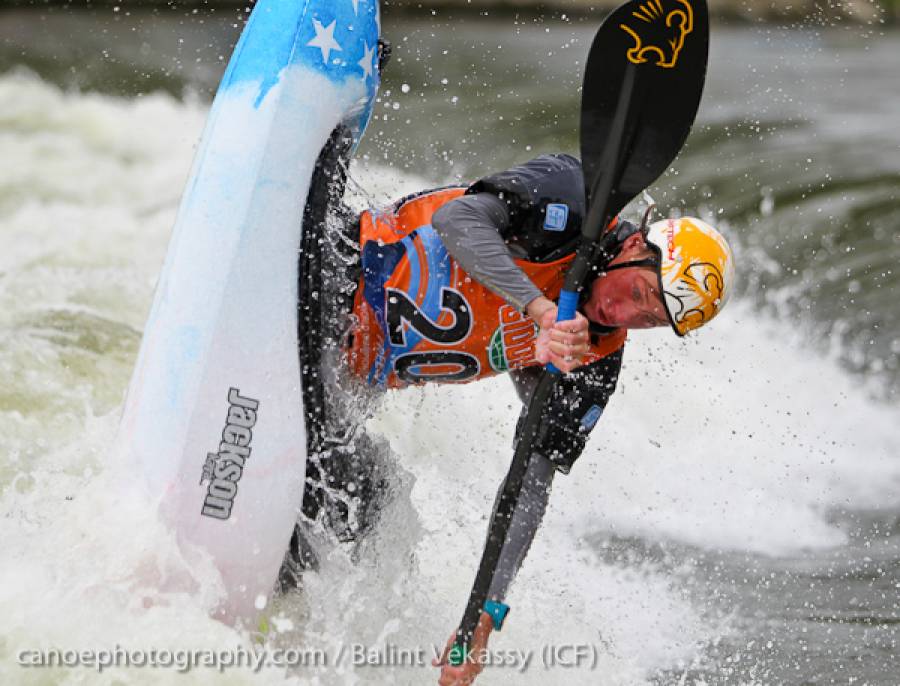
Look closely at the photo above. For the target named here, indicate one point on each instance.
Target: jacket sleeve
(524, 523)
(471, 228)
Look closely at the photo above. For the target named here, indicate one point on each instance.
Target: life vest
(545, 200)
(420, 317)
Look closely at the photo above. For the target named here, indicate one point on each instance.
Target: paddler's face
(627, 298)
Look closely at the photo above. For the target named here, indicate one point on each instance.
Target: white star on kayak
(367, 62)
(324, 39)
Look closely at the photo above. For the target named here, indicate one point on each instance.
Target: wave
(740, 439)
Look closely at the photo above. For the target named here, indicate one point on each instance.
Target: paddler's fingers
(577, 326)
(565, 364)
(468, 671)
(542, 351)
(568, 338)
(571, 350)
(442, 660)
(455, 676)
(566, 361)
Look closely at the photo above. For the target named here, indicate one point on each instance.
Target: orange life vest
(420, 317)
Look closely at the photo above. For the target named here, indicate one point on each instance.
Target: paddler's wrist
(538, 307)
(480, 639)
(486, 624)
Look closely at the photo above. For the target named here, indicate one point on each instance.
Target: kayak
(213, 426)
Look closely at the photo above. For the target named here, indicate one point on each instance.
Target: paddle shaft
(625, 146)
(595, 222)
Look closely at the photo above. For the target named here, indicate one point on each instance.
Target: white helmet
(696, 270)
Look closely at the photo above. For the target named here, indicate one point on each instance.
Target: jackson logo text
(223, 470)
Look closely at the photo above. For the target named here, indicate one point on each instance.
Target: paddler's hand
(562, 343)
(466, 673)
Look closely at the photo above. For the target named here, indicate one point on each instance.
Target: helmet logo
(670, 239)
(698, 292)
(659, 29)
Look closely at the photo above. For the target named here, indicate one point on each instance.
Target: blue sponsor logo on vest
(591, 417)
(556, 218)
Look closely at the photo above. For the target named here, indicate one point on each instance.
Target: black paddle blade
(658, 48)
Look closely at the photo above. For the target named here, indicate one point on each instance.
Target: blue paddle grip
(568, 306)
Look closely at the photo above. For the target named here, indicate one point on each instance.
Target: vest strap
(651, 262)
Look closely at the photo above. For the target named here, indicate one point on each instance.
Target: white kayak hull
(213, 424)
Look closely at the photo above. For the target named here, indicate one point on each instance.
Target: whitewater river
(735, 518)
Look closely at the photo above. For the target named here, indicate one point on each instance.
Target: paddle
(643, 81)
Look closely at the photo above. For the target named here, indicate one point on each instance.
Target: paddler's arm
(576, 404)
(526, 519)
(471, 228)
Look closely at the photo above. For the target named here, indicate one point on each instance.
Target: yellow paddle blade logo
(659, 28)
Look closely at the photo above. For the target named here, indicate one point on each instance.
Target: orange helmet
(696, 270)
